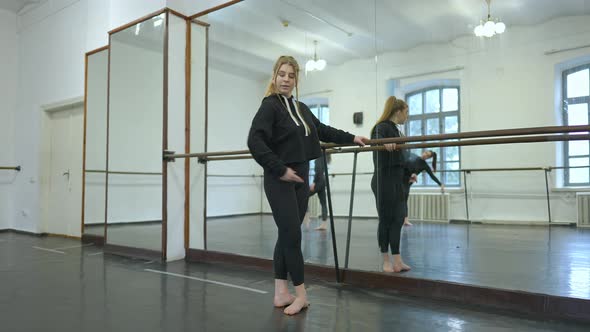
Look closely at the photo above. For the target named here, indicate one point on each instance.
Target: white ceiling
(253, 28)
(17, 5)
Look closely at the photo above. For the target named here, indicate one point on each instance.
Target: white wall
(51, 69)
(8, 88)
(233, 101)
(52, 40)
(507, 82)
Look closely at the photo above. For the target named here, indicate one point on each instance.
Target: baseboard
(127, 223)
(17, 231)
(522, 223)
(95, 239)
(235, 215)
(133, 252)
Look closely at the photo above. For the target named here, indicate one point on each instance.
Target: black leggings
(288, 202)
(390, 197)
(322, 196)
(407, 185)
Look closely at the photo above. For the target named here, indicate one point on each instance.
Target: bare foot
(322, 227)
(400, 267)
(306, 220)
(407, 222)
(283, 300)
(387, 267)
(295, 307)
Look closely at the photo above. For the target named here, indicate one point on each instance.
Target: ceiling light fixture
(490, 26)
(315, 63)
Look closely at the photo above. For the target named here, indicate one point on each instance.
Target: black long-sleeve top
(415, 165)
(278, 137)
(384, 160)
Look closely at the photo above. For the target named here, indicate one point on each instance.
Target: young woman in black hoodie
(388, 184)
(283, 137)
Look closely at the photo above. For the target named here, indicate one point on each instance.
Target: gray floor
(76, 288)
(548, 260)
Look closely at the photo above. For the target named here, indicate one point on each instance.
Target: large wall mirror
(535, 73)
(93, 221)
(244, 41)
(135, 124)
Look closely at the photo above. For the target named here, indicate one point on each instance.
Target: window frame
(321, 114)
(565, 102)
(424, 117)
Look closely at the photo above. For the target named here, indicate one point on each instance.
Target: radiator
(428, 207)
(583, 202)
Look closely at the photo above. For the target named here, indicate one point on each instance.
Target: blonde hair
(272, 89)
(283, 60)
(392, 106)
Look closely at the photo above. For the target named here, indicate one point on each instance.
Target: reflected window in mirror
(576, 93)
(434, 111)
(322, 112)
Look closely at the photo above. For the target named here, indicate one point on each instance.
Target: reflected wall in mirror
(136, 90)
(426, 53)
(93, 221)
(245, 40)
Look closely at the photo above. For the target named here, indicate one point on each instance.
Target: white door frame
(45, 151)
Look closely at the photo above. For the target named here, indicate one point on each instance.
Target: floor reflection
(549, 260)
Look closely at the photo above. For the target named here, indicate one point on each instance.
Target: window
(322, 112)
(434, 111)
(576, 97)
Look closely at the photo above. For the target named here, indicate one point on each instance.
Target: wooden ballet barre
(478, 170)
(567, 167)
(234, 176)
(474, 134)
(10, 168)
(240, 154)
(121, 172)
(471, 142)
(483, 141)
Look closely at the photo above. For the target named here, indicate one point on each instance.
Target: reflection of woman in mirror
(283, 137)
(414, 166)
(318, 186)
(388, 184)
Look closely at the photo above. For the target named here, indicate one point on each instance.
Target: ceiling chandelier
(315, 63)
(490, 26)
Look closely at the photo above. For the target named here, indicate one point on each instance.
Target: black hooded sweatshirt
(280, 135)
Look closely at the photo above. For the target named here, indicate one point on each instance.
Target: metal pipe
(547, 190)
(10, 168)
(120, 172)
(350, 210)
(466, 199)
(331, 216)
(234, 176)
